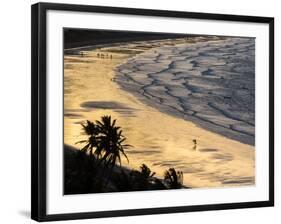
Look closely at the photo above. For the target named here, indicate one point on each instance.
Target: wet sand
(210, 83)
(159, 140)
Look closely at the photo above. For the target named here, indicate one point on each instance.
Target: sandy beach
(160, 136)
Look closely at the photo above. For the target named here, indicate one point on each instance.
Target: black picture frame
(38, 108)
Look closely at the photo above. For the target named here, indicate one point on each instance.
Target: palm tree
(173, 178)
(110, 141)
(143, 179)
(105, 141)
(146, 172)
(91, 130)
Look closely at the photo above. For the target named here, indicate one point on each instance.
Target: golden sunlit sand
(159, 140)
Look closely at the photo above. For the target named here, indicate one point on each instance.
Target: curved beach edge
(131, 82)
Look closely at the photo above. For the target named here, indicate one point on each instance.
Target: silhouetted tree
(143, 179)
(105, 141)
(146, 172)
(110, 141)
(91, 169)
(173, 178)
(92, 131)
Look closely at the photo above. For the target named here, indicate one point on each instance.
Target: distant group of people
(100, 55)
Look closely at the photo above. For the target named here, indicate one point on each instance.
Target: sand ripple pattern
(210, 83)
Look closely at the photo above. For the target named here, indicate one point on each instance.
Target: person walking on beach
(194, 144)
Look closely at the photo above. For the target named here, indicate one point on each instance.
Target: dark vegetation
(83, 37)
(97, 166)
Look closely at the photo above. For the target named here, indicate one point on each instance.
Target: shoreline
(136, 86)
(161, 141)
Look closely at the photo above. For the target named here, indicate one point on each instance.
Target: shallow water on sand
(211, 83)
(159, 140)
